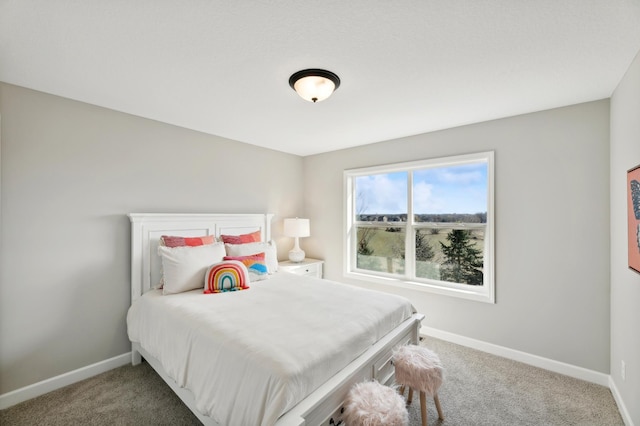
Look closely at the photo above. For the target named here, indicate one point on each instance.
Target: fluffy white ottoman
(373, 404)
(419, 368)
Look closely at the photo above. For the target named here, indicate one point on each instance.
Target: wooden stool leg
(410, 397)
(437, 401)
(401, 390)
(423, 408)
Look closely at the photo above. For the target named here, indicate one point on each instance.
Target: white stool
(373, 404)
(419, 368)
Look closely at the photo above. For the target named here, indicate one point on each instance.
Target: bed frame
(321, 407)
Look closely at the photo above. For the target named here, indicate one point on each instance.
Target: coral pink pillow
(171, 241)
(253, 237)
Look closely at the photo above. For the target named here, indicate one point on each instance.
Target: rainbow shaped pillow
(229, 275)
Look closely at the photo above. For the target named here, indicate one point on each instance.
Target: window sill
(484, 296)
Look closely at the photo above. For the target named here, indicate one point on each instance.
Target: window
(425, 225)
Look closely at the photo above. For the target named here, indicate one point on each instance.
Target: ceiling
(406, 67)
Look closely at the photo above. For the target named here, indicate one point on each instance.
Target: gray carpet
(479, 389)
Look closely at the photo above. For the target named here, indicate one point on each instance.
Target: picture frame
(633, 217)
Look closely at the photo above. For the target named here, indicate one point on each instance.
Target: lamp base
(296, 256)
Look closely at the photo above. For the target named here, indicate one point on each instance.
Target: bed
(285, 351)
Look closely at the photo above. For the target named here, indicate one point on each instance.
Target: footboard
(324, 405)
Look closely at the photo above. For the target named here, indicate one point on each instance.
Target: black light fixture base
(314, 72)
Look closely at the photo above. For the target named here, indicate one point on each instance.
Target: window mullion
(410, 233)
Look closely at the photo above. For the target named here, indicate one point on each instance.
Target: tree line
(480, 217)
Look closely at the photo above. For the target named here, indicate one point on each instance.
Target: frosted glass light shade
(314, 89)
(314, 85)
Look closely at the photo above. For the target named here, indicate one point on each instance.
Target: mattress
(249, 356)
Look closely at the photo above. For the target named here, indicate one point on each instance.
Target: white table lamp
(296, 228)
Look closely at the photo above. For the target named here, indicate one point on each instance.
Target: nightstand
(311, 267)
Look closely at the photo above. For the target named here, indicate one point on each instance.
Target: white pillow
(269, 249)
(184, 267)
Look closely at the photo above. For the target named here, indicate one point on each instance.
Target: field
(387, 250)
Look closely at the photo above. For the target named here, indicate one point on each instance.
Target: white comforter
(250, 356)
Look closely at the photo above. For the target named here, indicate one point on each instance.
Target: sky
(451, 189)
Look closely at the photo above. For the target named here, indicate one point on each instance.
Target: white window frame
(483, 293)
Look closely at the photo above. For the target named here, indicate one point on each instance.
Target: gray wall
(70, 174)
(552, 232)
(625, 284)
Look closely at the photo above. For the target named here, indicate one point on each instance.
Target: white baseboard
(19, 395)
(621, 407)
(534, 360)
(23, 394)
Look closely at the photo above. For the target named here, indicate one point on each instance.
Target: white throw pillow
(184, 267)
(269, 249)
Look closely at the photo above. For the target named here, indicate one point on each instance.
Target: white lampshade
(296, 227)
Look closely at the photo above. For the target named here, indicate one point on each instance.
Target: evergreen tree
(424, 251)
(463, 262)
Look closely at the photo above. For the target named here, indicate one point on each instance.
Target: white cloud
(424, 200)
(381, 194)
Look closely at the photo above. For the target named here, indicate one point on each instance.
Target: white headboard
(147, 228)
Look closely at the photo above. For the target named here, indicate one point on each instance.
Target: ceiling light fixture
(314, 85)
